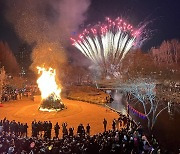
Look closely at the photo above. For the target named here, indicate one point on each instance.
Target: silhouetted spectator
(88, 129)
(56, 129)
(105, 124)
(64, 129)
(49, 128)
(114, 125)
(71, 131)
(25, 129)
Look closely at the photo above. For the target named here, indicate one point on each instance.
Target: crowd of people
(13, 127)
(44, 129)
(124, 137)
(8, 93)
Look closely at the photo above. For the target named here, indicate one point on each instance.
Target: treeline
(162, 62)
(7, 59)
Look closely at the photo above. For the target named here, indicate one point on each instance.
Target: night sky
(164, 14)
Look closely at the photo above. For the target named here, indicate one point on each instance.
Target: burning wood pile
(50, 91)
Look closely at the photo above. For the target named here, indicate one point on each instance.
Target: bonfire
(50, 91)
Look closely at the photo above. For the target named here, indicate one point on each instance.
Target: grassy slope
(87, 94)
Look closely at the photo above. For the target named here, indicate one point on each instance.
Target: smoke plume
(48, 24)
(72, 14)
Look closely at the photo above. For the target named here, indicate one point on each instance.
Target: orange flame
(47, 83)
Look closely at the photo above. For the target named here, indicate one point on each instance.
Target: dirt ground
(77, 112)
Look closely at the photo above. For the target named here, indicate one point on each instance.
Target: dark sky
(165, 15)
(7, 32)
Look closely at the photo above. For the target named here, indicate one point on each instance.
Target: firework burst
(106, 44)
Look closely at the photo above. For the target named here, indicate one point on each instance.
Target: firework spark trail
(107, 44)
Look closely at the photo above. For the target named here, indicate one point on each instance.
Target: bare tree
(175, 45)
(167, 53)
(145, 92)
(137, 63)
(7, 59)
(2, 80)
(76, 75)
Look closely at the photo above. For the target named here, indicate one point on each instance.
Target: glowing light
(108, 43)
(47, 83)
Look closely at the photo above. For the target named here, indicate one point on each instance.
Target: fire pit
(51, 105)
